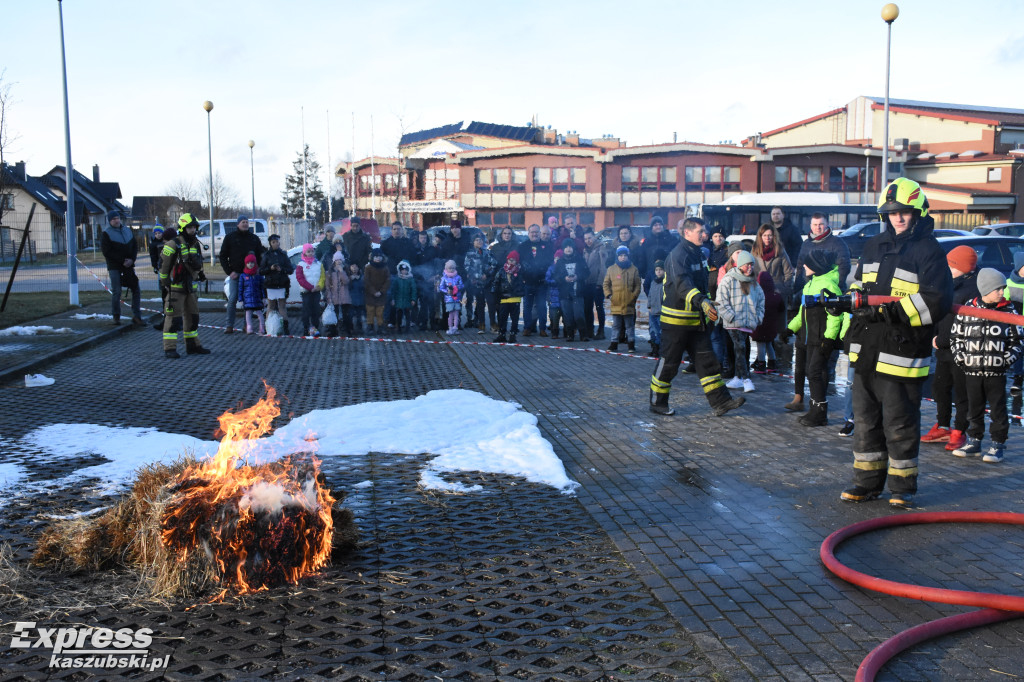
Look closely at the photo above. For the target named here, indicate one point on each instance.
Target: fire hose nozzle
(836, 303)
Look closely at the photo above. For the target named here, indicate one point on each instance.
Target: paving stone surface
(690, 550)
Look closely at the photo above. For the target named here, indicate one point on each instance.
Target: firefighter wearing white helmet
(890, 344)
(181, 270)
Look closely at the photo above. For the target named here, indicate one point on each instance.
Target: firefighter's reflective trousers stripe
(186, 306)
(677, 339)
(887, 436)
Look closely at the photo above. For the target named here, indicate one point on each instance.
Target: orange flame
(260, 525)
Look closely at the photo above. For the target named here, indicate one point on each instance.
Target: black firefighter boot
(192, 347)
(817, 415)
(659, 404)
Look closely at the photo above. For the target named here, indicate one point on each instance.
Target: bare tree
(5, 136)
(184, 190)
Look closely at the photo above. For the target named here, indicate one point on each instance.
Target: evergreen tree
(292, 195)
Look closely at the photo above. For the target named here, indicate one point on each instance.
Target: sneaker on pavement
(957, 439)
(859, 494)
(735, 382)
(994, 453)
(970, 449)
(901, 500)
(748, 386)
(937, 434)
(847, 429)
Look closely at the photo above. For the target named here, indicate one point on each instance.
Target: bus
(744, 213)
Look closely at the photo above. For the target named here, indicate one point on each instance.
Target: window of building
(7, 201)
(846, 179)
(499, 219)
(712, 178)
(559, 179)
(637, 217)
(501, 180)
(584, 218)
(797, 179)
(649, 179)
(995, 174)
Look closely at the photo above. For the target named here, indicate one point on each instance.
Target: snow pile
(31, 331)
(467, 431)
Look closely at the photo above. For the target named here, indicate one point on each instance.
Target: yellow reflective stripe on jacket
(904, 283)
(685, 318)
(899, 366)
(869, 273)
(916, 310)
(854, 352)
(690, 296)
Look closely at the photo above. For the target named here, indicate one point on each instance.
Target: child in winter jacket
(508, 288)
(338, 294)
(817, 333)
(985, 350)
(740, 304)
(454, 292)
(357, 292)
(310, 274)
(622, 286)
(377, 282)
(250, 291)
(554, 305)
(404, 292)
(654, 297)
(764, 334)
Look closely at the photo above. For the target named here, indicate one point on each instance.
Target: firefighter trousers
(185, 305)
(888, 434)
(696, 341)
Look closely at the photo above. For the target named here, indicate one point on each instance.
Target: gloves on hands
(709, 310)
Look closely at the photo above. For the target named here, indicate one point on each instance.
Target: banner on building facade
(430, 206)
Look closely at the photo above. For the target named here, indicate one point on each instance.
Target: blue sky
(138, 73)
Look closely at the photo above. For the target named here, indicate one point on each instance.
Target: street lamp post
(208, 106)
(70, 224)
(867, 174)
(252, 175)
(889, 14)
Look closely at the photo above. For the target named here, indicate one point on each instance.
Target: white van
(257, 226)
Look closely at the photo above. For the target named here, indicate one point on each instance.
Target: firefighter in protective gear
(890, 344)
(687, 314)
(181, 270)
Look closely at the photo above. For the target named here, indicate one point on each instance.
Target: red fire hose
(983, 313)
(996, 607)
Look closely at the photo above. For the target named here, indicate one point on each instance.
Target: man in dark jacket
(357, 244)
(624, 237)
(822, 239)
(233, 251)
(455, 246)
(120, 251)
(324, 251)
(426, 270)
(535, 256)
(654, 248)
(686, 315)
(891, 344)
(396, 248)
(789, 234)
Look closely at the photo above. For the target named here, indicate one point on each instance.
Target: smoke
(271, 498)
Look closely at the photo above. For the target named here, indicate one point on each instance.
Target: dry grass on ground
(28, 306)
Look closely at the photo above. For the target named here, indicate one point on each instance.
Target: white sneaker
(735, 382)
(748, 386)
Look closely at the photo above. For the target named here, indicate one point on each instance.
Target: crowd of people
(713, 303)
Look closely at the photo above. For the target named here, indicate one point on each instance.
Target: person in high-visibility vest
(181, 271)
(891, 344)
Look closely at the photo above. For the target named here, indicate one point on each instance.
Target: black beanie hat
(820, 261)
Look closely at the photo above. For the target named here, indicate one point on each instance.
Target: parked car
(993, 252)
(223, 228)
(1002, 229)
(856, 236)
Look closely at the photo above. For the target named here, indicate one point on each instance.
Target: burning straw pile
(194, 525)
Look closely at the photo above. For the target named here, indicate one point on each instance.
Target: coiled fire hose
(995, 607)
